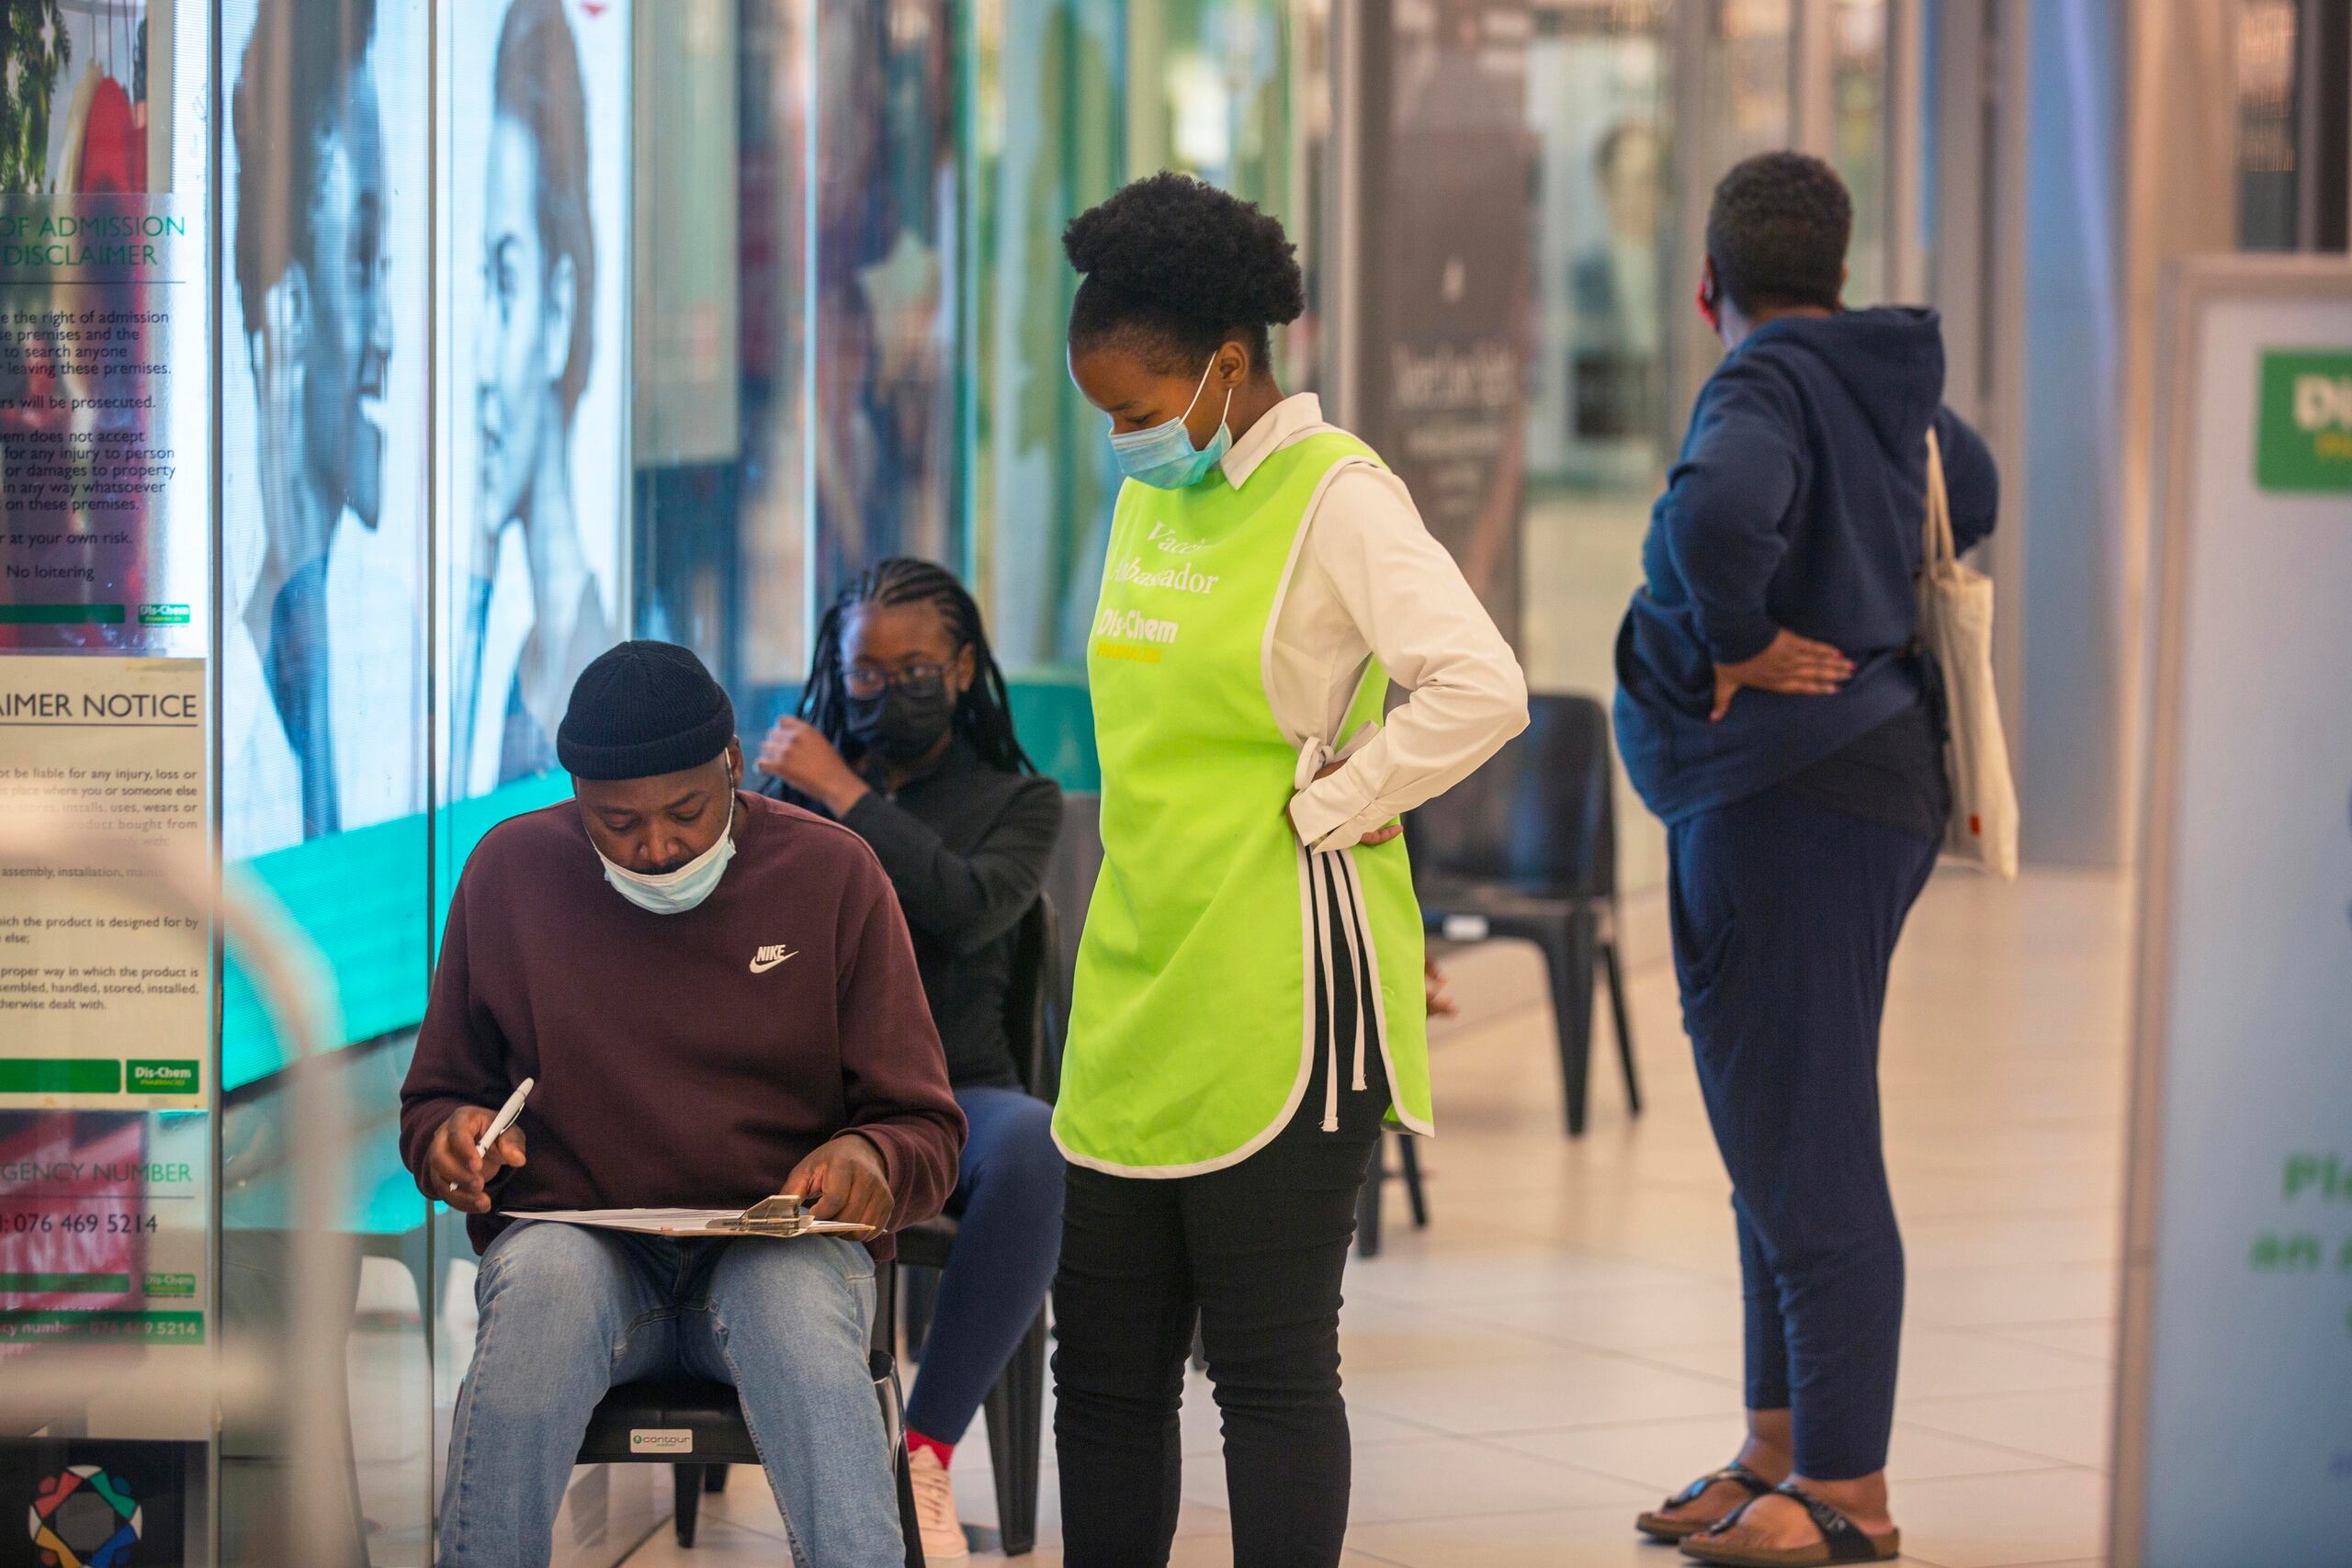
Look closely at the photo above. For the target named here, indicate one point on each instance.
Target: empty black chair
(1526, 847)
(624, 1426)
(1035, 1009)
(1376, 1180)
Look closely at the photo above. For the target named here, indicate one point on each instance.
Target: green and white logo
(2304, 442)
(162, 614)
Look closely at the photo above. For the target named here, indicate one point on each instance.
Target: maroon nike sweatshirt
(687, 1060)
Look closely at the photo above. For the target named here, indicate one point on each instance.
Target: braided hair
(984, 713)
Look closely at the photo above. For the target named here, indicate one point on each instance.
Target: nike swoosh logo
(762, 964)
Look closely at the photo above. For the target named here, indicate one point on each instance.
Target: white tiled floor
(1560, 1347)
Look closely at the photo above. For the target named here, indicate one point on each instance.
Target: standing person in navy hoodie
(1773, 710)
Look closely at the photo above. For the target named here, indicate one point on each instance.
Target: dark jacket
(967, 848)
(1797, 502)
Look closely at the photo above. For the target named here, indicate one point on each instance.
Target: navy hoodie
(1797, 502)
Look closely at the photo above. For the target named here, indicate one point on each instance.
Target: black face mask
(904, 723)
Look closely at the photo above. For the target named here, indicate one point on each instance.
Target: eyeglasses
(915, 680)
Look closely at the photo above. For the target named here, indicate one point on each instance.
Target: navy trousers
(1785, 915)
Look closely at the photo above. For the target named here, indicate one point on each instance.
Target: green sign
(88, 1327)
(161, 1077)
(71, 1284)
(58, 1075)
(2305, 444)
(162, 614)
(169, 1285)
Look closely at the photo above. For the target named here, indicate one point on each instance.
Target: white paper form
(689, 1223)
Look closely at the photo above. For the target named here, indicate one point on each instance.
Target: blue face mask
(676, 892)
(1164, 457)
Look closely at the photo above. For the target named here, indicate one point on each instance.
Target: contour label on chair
(661, 1440)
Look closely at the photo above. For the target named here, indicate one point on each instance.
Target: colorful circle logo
(85, 1517)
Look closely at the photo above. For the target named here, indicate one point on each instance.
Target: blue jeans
(1008, 1205)
(567, 1313)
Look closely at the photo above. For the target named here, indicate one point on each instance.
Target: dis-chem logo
(85, 1517)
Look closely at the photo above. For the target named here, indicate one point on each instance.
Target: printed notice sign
(104, 983)
(96, 290)
(2234, 1437)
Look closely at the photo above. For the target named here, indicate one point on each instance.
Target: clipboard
(783, 1216)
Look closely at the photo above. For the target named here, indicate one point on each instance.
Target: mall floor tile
(1559, 1347)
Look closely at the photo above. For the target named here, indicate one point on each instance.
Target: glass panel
(884, 284)
(535, 550)
(2268, 218)
(324, 150)
(1748, 66)
(1598, 417)
(1072, 98)
(725, 120)
(1858, 134)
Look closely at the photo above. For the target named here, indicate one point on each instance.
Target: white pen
(507, 1115)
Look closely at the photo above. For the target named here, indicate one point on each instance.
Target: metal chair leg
(1015, 1410)
(688, 1478)
(1376, 1175)
(1409, 1154)
(885, 1370)
(1624, 1029)
(1569, 960)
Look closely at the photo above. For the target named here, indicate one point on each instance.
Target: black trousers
(1786, 915)
(1253, 1253)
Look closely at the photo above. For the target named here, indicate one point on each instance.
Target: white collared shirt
(1370, 581)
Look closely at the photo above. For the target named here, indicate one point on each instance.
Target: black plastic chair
(1376, 1180)
(1526, 847)
(622, 1430)
(1035, 1009)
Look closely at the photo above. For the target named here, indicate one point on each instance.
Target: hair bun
(1196, 253)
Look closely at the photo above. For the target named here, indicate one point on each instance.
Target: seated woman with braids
(903, 734)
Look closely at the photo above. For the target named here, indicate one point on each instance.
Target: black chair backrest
(1037, 1000)
(1539, 816)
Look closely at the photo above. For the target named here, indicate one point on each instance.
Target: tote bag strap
(1936, 541)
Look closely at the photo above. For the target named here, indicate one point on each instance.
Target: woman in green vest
(1249, 1007)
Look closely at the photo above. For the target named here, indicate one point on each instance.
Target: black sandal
(1657, 1526)
(1842, 1540)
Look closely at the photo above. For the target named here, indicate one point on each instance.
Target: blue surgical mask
(1164, 457)
(676, 892)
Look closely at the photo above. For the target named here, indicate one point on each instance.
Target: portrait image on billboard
(536, 428)
(324, 298)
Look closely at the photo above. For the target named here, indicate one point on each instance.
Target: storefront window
(2268, 194)
(1073, 98)
(1600, 95)
(325, 297)
(1858, 137)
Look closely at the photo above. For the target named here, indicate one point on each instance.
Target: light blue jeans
(568, 1313)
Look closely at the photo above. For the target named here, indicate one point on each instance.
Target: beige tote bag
(1956, 631)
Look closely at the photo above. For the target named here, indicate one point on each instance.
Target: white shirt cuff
(1334, 811)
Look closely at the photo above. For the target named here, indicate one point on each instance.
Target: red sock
(917, 1443)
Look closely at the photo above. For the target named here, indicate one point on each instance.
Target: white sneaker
(943, 1537)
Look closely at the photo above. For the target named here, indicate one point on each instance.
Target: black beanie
(641, 710)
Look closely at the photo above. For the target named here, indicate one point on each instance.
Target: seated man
(718, 996)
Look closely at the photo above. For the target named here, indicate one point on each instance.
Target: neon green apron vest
(1193, 1028)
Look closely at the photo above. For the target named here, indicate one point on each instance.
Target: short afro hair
(1777, 232)
(1180, 267)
